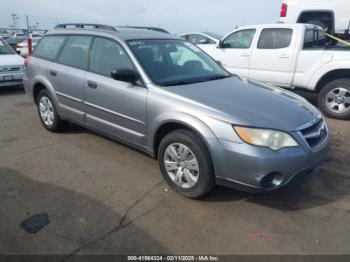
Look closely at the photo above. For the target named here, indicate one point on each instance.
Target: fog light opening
(271, 180)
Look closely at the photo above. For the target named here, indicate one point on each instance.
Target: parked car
(207, 41)
(204, 125)
(24, 35)
(11, 66)
(22, 48)
(331, 15)
(14, 41)
(291, 56)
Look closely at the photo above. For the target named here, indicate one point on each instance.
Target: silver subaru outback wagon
(166, 97)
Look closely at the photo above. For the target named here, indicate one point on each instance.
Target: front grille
(7, 69)
(315, 134)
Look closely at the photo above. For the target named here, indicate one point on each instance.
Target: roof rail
(85, 26)
(157, 29)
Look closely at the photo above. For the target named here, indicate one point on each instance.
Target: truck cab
(289, 56)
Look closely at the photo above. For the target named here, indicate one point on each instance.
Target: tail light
(284, 10)
(26, 61)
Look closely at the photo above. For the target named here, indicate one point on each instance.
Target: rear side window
(106, 56)
(76, 52)
(275, 38)
(315, 39)
(48, 47)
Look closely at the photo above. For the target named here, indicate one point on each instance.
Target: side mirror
(220, 44)
(125, 74)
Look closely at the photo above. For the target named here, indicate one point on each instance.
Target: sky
(176, 16)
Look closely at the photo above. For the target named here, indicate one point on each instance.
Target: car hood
(11, 59)
(249, 103)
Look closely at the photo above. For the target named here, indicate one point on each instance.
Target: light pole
(15, 20)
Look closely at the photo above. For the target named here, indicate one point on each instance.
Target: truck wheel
(334, 99)
(185, 163)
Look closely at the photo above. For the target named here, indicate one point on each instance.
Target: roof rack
(157, 29)
(85, 26)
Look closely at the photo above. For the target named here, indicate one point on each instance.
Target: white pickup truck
(290, 56)
(331, 14)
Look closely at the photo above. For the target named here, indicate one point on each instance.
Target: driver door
(115, 107)
(235, 50)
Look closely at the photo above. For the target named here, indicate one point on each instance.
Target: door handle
(53, 72)
(91, 84)
(245, 55)
(283, 56)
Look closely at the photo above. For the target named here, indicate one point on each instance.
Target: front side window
(76, 52)
(275, 38)
(49, 46)
(175, 62)
(108, 55)
(5, 49)
(240, 39)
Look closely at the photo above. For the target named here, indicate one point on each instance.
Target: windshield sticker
(136, 43)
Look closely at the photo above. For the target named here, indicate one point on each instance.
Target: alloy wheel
(46, 111)
(181, 165)
(338, 100)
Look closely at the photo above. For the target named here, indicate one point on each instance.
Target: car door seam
(114, 113)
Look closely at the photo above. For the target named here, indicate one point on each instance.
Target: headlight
(265, 137)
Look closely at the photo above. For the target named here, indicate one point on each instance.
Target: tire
(334, 99)
(197, 154)
(53, 122)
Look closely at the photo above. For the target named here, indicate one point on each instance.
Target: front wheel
(185, 163)
(334, 99)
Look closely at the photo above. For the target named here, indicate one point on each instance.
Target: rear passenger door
(69, 73)
(115, 107)
(274, 56)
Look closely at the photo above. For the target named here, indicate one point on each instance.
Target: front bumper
(245, 167)
(11, 79)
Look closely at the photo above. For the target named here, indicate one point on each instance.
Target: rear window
(48, 47)
(315, 38)
(275, 38)
(76, 52)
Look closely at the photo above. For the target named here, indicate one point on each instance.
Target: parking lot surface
(102, 197)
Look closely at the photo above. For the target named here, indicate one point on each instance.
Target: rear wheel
(334, 99)
(185, 163)
(48, 113)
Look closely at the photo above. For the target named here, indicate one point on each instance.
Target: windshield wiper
(179, 83)
(192, 81)
(217, 77)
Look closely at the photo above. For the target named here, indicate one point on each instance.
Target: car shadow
(323, 188)
(73, 223)
(11, 90)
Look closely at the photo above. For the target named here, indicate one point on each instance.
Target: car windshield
(175, 62)
(15, 40)
(214, 35)
(5, 49)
